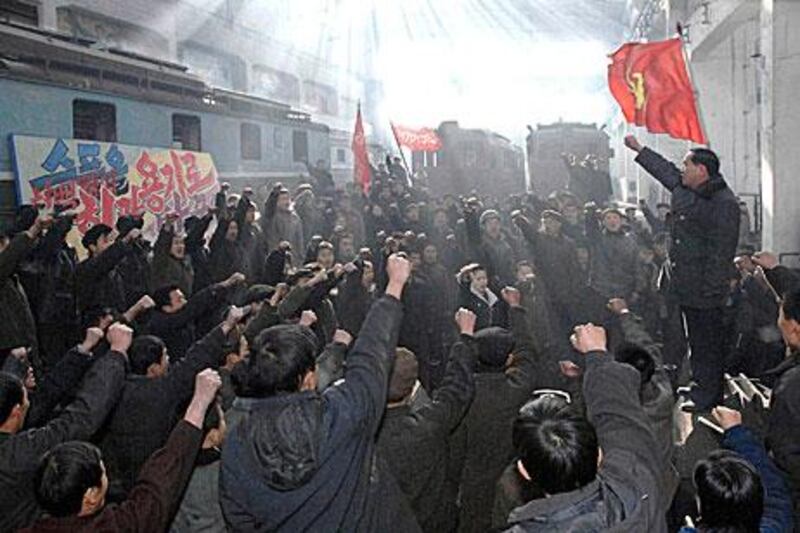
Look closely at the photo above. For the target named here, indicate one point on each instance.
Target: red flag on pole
(361, 173)
(651, 84)
(418, 140)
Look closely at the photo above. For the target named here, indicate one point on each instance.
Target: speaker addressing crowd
(322, 359)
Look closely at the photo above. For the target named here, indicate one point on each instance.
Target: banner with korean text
(100, 182)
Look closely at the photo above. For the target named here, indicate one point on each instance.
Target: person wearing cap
(497, 247)
(614, 256)
(557, 266)
(506, 375)
(413, 440)
(705, 234)
(658, 220)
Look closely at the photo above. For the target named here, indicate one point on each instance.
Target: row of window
(97, 121)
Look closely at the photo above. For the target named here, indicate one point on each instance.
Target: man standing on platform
(705, 232)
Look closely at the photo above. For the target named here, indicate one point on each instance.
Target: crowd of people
(327, 359)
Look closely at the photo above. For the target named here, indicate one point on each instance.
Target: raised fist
(617, 305)
(234, 279)
(399, 269)
(633, 143)
(93, 336)
(512, 296)
(119, 337)
(341, 336)
(206, 385)
(466, 321)
(766, 260)
(146, 302)
(589, 338)
(308, 318)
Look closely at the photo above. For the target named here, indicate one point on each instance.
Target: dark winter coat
(169, 270)
(148, 410)
(414, 441)
(627, 493)
(153, 500)
(705, 234)
(177, 330)
(20, 453)
(481, 446)
(98, 281)
(17, 327)
(306, 461)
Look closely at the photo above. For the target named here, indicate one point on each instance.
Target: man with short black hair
(152, 395)
(601, 472)
(71, 481)
(20, 450)
(299, 460)
(98, 281)
(705, 233)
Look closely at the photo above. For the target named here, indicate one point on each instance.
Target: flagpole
(696, 91)
(402, 154)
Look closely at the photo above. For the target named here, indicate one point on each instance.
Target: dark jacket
(153, 500)
(489, 309)
(705, 233)
(166, 269)
(777, 515)
(306, 461)
(148, 410)
(20, 453)
(627, 493)
(614, 260)
(98, 281)
(177, 330)
(413, 441)
(17, 327)
(481, 446)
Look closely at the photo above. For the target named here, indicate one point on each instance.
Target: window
(186, 132)
(299, 146)
(340, 156)
(251, 141)
(94, 121)
(19, 13)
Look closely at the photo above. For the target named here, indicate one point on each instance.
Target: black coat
(413, 442)
(20, 453)
(627, 494)
(481, 447)
(306, 461)
(17, 327)
(99, 283)
(177, 330)
(148, 410)
(705, 234)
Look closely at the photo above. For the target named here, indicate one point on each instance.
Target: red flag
(419, 140)
(361, 174)
(651, 84)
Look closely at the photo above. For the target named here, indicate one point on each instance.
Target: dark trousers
(705, 332)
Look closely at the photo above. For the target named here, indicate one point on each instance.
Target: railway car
(548, 143)
(472, 159)
(57, 86)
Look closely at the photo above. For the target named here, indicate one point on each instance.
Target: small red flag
(361, 173)
(418, 140)
(651, 84)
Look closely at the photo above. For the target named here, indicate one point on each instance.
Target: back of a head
(494, 346)
(11, 395)
(145, 350)
(279, 358)
(730, 492)
(161, 296)
(638, 358)
(64, 475)
(405, 372)
(791, 305)
(557, 446)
